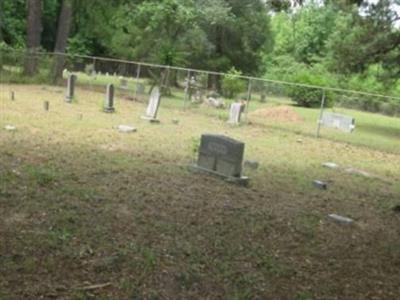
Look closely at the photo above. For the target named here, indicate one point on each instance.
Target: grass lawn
(87, 212)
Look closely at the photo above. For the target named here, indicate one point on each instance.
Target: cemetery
(212, 149)
(113, 200)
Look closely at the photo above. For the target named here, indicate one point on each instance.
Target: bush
(311, 97)
(232, 85)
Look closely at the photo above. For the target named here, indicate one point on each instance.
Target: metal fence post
(321, 114)
(249, 88)
(137, 80)
(186, 90)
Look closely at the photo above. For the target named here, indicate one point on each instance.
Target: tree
(34, 31)
(64, 27)
(363, 40)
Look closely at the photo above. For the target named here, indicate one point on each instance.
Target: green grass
(82, 204)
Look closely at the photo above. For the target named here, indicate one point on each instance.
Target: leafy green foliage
(232, 85)
(309, 97)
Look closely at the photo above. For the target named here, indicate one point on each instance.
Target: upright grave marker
(154, 104)
(70, 88)
(222, 156)
(46, 105)
(235, 113)
(109, 100)
(338, 121)
(12, 95)
(124, 83)
(139, 88)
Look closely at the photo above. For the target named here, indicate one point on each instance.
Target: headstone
(263, 98)
(12, 95)
(340, 219)
(320, 184)
(152, 108)
(124, 83)
(222, 156)
(46, 105)
(126, 129)
(109, 101)
(175, 121)
(70, 88)
(235, 113)
(338, 121)
(139, 88)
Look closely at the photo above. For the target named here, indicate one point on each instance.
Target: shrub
(310, 97)
(232, 85)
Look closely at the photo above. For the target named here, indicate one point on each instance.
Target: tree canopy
(344, 41)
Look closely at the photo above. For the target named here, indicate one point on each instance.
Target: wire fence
(224, 97)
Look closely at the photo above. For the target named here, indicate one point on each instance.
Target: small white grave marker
(10, 127)
(152, 108)
(340, 219)
(126, 128)
(235, 113)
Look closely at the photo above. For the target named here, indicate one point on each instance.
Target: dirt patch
(279, 113)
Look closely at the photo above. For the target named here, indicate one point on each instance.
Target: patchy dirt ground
(89, 213)
(281, 113)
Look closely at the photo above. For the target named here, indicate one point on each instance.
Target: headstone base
(109, 109)
(242, 180)
(151, 120)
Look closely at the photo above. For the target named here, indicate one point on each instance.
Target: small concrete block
(340, 219)
(126, 129)
(10, 127)
(320, 184)
(330, 165)
(251, 164)
(359, 172)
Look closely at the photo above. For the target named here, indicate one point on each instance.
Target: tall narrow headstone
(235, 113)
(223, 156)
(154, 104)
(109, 101)
(46, 105)
(70, 88)
(12, 95)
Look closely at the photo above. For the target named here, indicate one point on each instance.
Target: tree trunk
(64, 26)
(34, 31)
